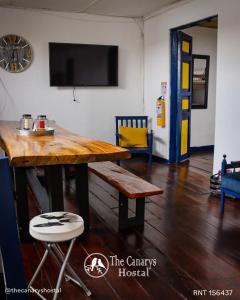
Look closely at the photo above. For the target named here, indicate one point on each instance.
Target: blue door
(184, 95)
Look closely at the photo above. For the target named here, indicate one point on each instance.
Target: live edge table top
(64, 147)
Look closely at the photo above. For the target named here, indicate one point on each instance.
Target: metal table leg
(82, 193)
(55, 187)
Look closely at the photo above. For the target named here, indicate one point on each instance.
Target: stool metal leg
(62, 262)
(37, 293)
(58, 260)
(38, 268)
(58, 255)
(63, 268)
(70, 270)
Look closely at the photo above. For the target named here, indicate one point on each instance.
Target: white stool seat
(61, 231)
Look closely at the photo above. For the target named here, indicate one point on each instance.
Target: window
(200, 81)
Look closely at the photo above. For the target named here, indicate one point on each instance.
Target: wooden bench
(129, 186)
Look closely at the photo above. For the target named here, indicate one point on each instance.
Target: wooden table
(53, 152)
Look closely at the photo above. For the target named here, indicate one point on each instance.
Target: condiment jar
(26, 122)
(41, 122)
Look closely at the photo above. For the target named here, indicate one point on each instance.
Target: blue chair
(230, 183)
(137, 122)
(9, 238)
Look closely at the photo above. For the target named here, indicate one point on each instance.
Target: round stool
(52, 228)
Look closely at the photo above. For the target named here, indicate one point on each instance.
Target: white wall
(94, 115)
(203, 120)
(157, 66)
(30, 91)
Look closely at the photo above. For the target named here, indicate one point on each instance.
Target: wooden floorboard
(194, 247)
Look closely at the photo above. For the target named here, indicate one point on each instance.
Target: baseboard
(154, 158)
(201, 148)
(192, 150)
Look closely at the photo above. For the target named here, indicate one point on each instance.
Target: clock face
(15, 53)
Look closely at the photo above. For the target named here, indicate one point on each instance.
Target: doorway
(192, 109)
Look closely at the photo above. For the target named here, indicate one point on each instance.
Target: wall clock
(15, 53)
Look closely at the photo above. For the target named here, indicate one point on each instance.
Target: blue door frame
(174, 118)
(180, 115)
(173, 106)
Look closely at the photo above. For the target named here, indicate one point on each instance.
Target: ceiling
(124, 8)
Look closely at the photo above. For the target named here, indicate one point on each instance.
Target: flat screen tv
(83, 65)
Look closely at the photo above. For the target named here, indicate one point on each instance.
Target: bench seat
(129, 186)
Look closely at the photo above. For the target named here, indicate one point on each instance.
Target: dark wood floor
(195, 248)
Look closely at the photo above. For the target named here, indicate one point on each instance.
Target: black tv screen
(83, 65)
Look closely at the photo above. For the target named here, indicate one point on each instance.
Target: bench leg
(123, 212)
(140, 211)
(126, 222)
